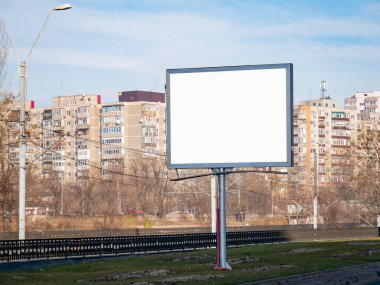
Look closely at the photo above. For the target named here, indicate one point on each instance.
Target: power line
(157, 155)
(100, 168)
(161, 156)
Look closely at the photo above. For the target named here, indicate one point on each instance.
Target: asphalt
(365, 274)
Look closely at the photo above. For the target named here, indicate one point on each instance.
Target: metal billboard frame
(222, 169)
(289, 117)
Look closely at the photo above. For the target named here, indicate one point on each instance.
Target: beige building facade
(367, 105)
(79, 137)
(322, 132)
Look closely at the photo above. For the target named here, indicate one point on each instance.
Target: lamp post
(22, 151)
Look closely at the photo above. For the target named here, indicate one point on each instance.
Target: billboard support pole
(213, 204)
(222, 246)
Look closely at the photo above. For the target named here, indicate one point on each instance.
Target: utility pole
(315, 192)
(22, 152)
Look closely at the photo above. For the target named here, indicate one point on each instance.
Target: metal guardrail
(32, 249)
(97, 246)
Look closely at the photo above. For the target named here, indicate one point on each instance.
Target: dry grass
(249, 264)
(67, 223)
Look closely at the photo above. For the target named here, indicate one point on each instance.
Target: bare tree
(8, 193)
(148, 184)
(8, 138)
(365, 176)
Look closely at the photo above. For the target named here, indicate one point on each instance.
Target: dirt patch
(178, 279)
(346, 255)
(245, 259)
(19, 277)
(303, 250)
(193, 257)
(269, 268)
(189, 278)
(136, 274)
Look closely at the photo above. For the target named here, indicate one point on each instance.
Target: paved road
(365, 274)
(376, 282)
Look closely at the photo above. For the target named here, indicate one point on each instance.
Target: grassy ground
(197, 267)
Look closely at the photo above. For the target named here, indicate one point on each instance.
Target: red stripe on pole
(218, 239)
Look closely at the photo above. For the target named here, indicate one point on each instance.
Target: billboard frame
(289, 117)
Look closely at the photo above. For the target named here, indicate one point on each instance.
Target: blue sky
(103, 47)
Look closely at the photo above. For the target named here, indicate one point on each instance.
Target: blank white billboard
(229, 116)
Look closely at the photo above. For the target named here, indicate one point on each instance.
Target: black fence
(32, 249)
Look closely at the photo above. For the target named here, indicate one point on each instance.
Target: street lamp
(22, 151)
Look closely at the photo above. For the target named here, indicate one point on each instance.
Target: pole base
(227, 267)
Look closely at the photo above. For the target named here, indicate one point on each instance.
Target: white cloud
(78, 58)
(372, 8)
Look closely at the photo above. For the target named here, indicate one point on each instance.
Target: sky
(104, 47)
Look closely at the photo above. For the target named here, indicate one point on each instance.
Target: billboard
(231, 116)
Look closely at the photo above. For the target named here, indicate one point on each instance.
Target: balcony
(47, 117)
(342, 127)
(83, 167)
(82, 115)
(340, 137)
(340, 119)
(340, 146)
(83, 127)
(47, 159)
(115, 156)
(59, 168)
(57, 128)
(47, 166)
(340, 155)
(57, 117)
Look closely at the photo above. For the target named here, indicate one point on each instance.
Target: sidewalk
(358, 274)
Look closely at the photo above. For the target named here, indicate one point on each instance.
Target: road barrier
(34, 249)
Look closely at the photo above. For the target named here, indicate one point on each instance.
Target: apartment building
(79, 137)
(322, 132)
(367, 105)
(67, 129)
(132, 128)
(150, 106)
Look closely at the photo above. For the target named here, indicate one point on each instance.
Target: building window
(111, 130)
(112, 140)
(113, 108)
(112, 151)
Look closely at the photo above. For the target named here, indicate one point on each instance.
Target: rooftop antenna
(324, 90)
(310, 91)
